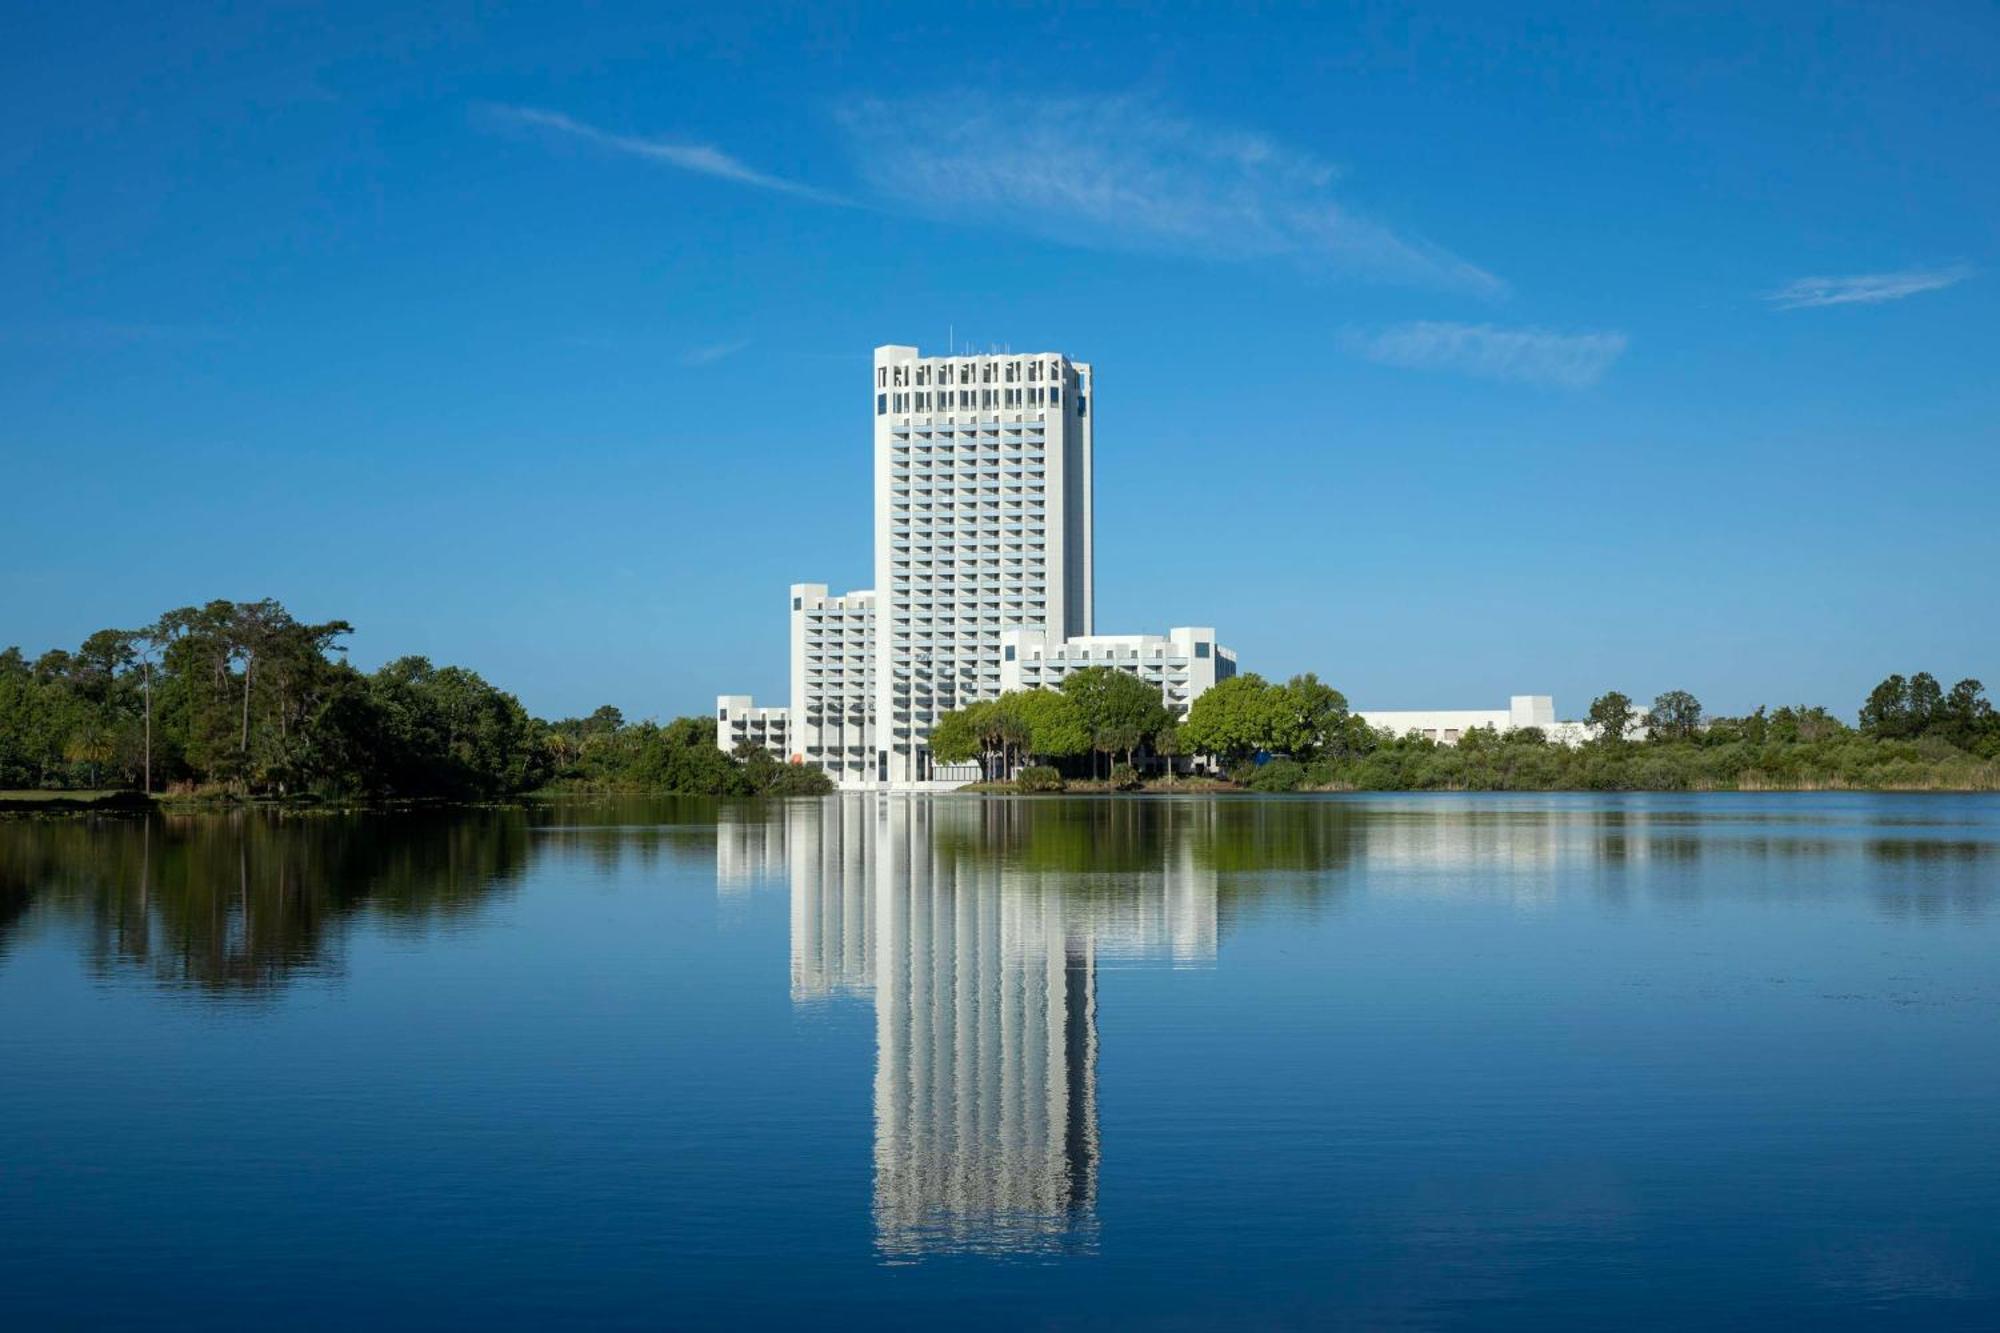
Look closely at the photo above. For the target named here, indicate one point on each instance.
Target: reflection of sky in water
(1397, 1060)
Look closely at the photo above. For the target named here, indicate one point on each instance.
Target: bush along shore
(1247, 734)
(234, 701)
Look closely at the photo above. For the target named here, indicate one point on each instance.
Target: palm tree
(1167, 744)
(90, 743)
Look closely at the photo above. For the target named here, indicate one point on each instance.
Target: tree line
(243, 699)
(1301, 734)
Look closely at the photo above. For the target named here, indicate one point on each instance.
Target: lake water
(1382, 1061)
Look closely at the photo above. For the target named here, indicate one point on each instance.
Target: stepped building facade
(984, 574)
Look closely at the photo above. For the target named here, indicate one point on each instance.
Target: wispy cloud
(1120, 172)
(1530, 356)
(104, 334)
(708, 356)
(1866, 288)
(698, 158)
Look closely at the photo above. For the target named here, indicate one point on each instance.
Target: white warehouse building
(1448, 726)
(984, 574)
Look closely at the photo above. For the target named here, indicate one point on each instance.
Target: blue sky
(1450, 354)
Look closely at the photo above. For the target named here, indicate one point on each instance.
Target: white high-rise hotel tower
(984, 576)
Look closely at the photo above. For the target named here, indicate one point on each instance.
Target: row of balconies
(1012, 603)
(1023, 547)
(990, 511)
(984, 425)
(966, 477)
(971, 527)
(1031, 671)
(944, 549)
(1013, 493)
(1032, 567)
(945, 466)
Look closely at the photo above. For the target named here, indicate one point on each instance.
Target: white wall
(1448, 726)
(1184, 663)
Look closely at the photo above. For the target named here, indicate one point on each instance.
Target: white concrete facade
(983, 516)
(1182, 663)
(738, 719)
(833, 680)
(1448, 726)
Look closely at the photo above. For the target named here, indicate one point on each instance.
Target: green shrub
(1278, 775)
(799, 780)
(1038, 777)
(1124, 777)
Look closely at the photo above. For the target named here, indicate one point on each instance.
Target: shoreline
(71, 804)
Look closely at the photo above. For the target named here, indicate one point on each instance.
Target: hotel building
(984, 574)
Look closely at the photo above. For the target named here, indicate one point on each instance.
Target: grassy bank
(1527, 764)
(55, 802)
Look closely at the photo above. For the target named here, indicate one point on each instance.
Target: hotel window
(881, 403)
(797, 603)
(1201, 650)
(881, 377)
(1010, 652)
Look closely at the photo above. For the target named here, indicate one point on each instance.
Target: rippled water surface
(1400, 1061)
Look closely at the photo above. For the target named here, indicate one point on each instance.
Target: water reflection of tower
(986, 1053)
(826, 851)
(984, 978)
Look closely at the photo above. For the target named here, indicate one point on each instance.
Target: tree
(1117, 709)
(1005, 730)
(953, 739)
(147, 644)
(1055, 725)
(1122, 739)
(1311, 716)
(1887, 712)
(1233, 718)
(1167, 744)
(1966, 719)
(1611, 715)
(1676, 716)
(91, 744)
(1795, 724)
(1926, 703)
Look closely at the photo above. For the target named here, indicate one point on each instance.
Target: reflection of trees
(1226, 836)
(239, 902)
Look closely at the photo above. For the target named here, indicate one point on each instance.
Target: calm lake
(1384, 1061)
